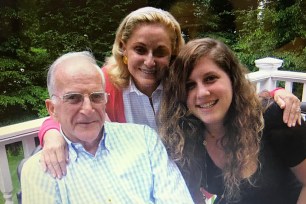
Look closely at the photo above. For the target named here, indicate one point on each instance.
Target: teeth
(148, 71)
(208, 105)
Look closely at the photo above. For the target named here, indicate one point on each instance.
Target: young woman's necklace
(208, 134)
(206, 169)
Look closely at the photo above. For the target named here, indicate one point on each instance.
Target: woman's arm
(289, 144)
(286, 101)
(54, 157)
(291, 105)
(48, 124)
(300, 173)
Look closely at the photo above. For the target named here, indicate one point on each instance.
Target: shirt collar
(106, 139)
(132, 88)
(75, 148)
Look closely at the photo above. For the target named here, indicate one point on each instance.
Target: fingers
(62, 158)
(300, 120)
(281, 103)
(292, 111)
(291, 105)
(49, 162)
(54, 154)
(299, 115)
(56, 161)
(43, 163)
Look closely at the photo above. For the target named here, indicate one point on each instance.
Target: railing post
(269, 65)
(6, 185)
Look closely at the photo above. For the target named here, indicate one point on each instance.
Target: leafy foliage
(269, 32)
(34, 33)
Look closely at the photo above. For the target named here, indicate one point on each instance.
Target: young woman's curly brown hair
(243, 123)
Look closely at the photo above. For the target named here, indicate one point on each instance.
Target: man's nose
(86, 105)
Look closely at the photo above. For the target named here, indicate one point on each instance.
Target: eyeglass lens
(76, 98)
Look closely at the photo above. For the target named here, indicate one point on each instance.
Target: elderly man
(109, 162)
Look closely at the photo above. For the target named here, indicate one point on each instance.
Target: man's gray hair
(52, 69)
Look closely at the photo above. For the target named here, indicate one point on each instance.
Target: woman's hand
(54, 157)
(291, 105)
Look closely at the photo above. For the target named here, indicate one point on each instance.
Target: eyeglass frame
(63, 97)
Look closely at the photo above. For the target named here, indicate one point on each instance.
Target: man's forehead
(78, 74)
(77, 64)
(73, 69)
(80, 86)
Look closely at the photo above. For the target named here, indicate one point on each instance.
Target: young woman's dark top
(274, 183)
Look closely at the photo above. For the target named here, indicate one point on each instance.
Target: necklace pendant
(204, 143)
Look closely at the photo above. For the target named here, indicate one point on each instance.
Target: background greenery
(33, 33)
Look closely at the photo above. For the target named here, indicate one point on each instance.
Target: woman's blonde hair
(117, 70)
(243, 122)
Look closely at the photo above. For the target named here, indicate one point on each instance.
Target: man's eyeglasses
(77, 98)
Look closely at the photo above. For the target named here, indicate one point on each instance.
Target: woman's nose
(150, 61)
(202, 91)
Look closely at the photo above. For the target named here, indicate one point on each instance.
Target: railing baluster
(28, 145)
(6, 185)
(288, 86)
(304, 92)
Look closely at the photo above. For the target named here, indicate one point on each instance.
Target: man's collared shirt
(137, 107)
(130, 166)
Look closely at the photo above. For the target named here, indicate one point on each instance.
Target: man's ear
(51, 109)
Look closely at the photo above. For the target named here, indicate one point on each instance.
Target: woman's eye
(190, 86)
(210, 79)
(140, 50)
(161, 52)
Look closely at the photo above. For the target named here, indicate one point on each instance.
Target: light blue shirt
(130, 166)
(137, 107)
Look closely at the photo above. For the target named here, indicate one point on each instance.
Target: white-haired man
(109, 162)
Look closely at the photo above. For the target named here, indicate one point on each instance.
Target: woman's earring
(125, 59)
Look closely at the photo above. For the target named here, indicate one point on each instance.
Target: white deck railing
(267, 78)
(24, 132)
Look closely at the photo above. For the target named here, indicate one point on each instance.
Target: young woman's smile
(209, 91)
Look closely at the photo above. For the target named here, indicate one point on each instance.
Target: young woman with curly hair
(212, 123)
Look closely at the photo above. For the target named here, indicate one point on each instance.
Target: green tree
(34, 33)
(270, 32)
(21, 93)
